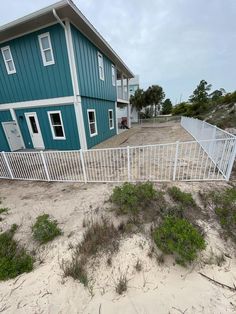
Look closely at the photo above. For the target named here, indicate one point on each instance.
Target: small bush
(76, 269)
(4, 210)
(181, 197)
(130, 198)
(121, 285)
(177, 236)
(13, 258)
(224, 204)
(45, 229)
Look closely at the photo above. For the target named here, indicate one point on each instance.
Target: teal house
(58, 82)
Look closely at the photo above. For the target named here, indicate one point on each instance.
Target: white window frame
(7, 60)
(94, 111)
(51, 125)
(113, 75)
(45, 62)
(109, 119)
(101, 65)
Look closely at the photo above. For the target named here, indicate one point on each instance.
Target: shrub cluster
(14, 260)
(45, 229)
(182, 198)
(177, 236)
(131, 198)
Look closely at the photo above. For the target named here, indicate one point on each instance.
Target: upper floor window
(92, 122)
(46, 49)
(56, 124)
(113, 75)
(8, 60)
(100, 66)
(111, 119)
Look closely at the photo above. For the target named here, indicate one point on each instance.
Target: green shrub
(181, 197)
(130, 198)
(224, 204)
(4, 210)
(177, 236)
(45, 229)
(14, 260)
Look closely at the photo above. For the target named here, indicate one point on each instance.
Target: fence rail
(209, 157)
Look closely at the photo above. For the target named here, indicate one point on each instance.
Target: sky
(172, 43)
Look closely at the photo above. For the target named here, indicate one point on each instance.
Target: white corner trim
(117, 127)
(38, 103)
(75, 83)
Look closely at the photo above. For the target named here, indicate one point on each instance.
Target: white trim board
(39, 103)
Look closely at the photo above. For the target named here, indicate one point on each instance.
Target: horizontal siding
(5, 116)
(33, 80)
(86, 57)
(68, 115)
(101, 107)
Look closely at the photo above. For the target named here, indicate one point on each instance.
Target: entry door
(13, 135)
(34, 129)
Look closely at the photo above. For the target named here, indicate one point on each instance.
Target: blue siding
(86, 57)
(101, 107)
(69, 121)
(33, 80)
(5, 116)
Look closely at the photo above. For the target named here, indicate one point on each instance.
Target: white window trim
(113, 124)
(96, 133)
(45, 62)
(11, 59)
(103, 73)
(113, 81)
(51, 126)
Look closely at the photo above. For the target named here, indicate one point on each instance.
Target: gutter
(58, 19)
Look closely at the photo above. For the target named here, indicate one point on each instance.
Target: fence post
(231, 161)
(128, 162)
(83, 165)
(176, 159)
(8, 166)
(45, 165)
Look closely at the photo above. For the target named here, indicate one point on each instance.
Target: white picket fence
(202, 159)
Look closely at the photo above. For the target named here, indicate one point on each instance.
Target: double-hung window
(111, 119)
(100, 66)
(113, 75)
(46, 49)
(92, 122)
(56, 124)
(8, 60)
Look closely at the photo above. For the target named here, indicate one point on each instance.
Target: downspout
(58, 19)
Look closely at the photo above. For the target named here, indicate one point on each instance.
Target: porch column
(129, 115)
(127, 83)
(122, 86)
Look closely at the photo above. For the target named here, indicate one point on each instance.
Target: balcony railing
(122, 93)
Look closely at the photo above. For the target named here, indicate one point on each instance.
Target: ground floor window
(111, 119)
(92, 122)
(56, 124)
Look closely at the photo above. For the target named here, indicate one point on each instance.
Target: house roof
(64, 9)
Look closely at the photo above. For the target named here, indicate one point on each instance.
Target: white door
(13, 135)
(34, 129)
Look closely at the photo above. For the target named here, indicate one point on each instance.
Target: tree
(217, 94)
(200, 97)
(138, 99)
(154, 96)
(182, 109)
(167, 106)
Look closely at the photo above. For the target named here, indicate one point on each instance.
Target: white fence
(210, 157)
(215, 142)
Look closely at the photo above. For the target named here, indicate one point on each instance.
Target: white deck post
(7, 164)
(83, 166)
(231, 160)
(176, 160)
(45, 165)
(128, 163)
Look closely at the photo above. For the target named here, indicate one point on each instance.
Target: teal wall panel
(32, 80)
(69, 121)
(86, 57)
(101, 107)
(5, 116)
